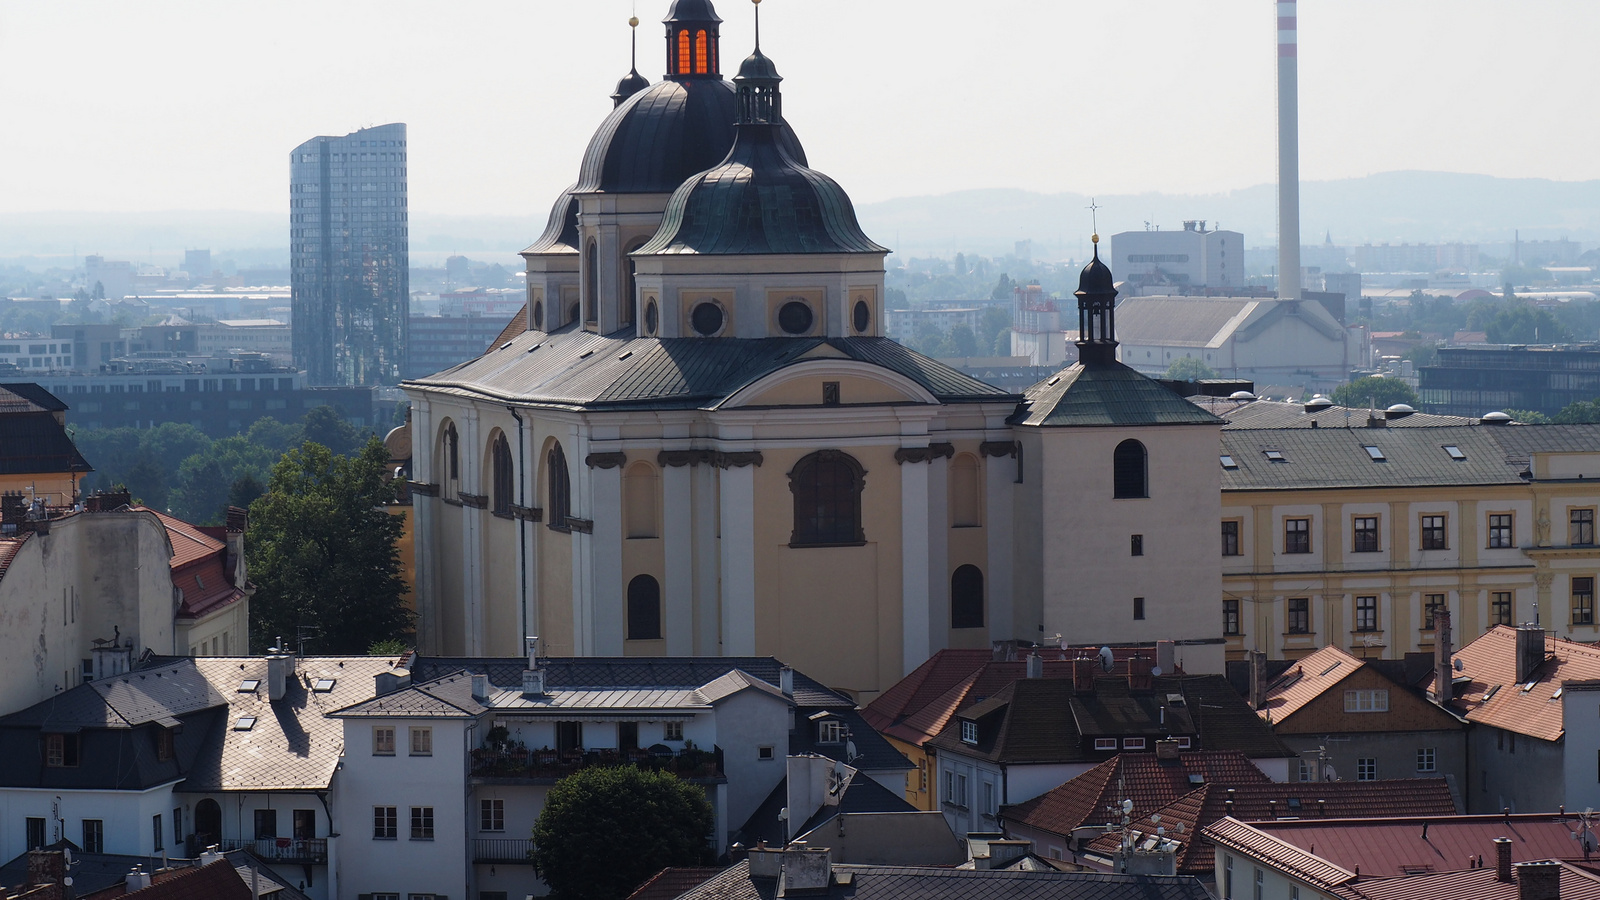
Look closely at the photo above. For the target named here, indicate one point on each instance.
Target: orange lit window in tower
(684, 55)
(701, 66)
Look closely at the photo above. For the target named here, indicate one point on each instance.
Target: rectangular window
(163, 744)
(1138, 608)
(383, 740)
(1299, 615)
(1366, 700)
(1136, 544)
(1582, 528)
(1367, 768)
(385, 824)
(421, 741)
(94, 836)
(266, 824)
(1297, 535)
(1583, 600)
(1366, 613)
(969, 732)
(988, 799)
(1230, 538)
(1500, 530)
(61, 751)
(766, 753)
(1433, 533)
(304, 822)
(1227, 877)
(422, 823)
(1425, 759)
(1500, 608)
(1105, 743)
(1230, 616)
(177, 825)
(672, 731)
(627, 735)
(156, 830)
(1133, 743)
(1365, 535)
(1431, 603)
(1307, 773)
(1261, 885)
(35, 830)
(492, 815)
(830, 731)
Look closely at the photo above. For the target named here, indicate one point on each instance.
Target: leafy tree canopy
(323, 552)
(660, 820)
(1189, 368)
(1582, 412)
(1528, 416)
(1522, 324)
(1381, 392)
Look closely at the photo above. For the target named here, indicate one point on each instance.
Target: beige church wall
(1091, 578)
(644, 556)
(967, 537)
(808, 392)
(1027, 542)
(502, 586)
(554, 548)
(832, 612)
(449, 520)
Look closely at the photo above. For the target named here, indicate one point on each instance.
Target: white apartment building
(1193, 257)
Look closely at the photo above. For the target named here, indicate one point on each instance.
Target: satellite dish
(1459, 665)
(1328, 773)
(1107, 661)
(1155, 671)
(1178, 828)
(783, 814)
(1127, 806)
(850, 753)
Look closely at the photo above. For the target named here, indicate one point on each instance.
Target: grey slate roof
(907, 883)
(1334, 457)
(864, 795)
(33, 442)
(449, 697)
(686, 672)
(1278, 414)
(1096, 394)
(1521, 441)
(571, 368)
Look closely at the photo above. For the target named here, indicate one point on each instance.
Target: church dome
(561, 232)
(661, 136)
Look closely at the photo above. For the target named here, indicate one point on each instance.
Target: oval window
(862, 315)
(706, 319)
(652, 317)
(538, 314)
(795, 317)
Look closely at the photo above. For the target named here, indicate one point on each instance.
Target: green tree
(1002, 288)
(244, 490)
(202, 491)
(324, 553)
(324, 425)
(1188, 368)
(1522, 324)
(1579, 413)
(172, 443)
(660, 819)
(963, 341)
(269, 433)
(147, 482)
(1528, 416)
(994, 332)
(896, 298)
(1380, 391)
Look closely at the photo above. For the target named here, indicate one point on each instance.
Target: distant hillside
(1392, 206)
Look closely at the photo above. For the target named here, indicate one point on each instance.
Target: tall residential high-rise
(349, 258)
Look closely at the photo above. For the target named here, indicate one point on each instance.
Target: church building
(696, 440)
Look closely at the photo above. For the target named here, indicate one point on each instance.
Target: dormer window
(61, 751)
(1105, 743)
(969, 733)
(830, 731)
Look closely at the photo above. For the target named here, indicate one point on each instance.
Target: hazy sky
(195, 104)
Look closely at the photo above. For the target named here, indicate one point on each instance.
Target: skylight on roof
(249, 685)
(1275, 455)
(1336, 665)
(1228, 463)
(245, 723)
(1375, 453)
(1455, 452)
(323, 685)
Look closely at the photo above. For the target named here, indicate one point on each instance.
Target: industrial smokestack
(1288, 153)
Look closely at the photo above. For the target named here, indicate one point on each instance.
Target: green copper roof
(1105, 394)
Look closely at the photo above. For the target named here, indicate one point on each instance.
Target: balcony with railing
(503, 851)
(303, 851)
(549, 766)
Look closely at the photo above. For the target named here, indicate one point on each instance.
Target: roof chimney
(786, 681)
(1502, 859)
(806, 869)
(1444, 674)
(1083, 674)
(1258, 679)
(390, 681)
(765, 863)
(1539, 880)
(46, 867)
(1139, 678)
(280, 665)
(1167, 749)
(1530, 651)
(1167, 657)
(137, 880)
(480, 687)
(532, 676)
(1035, 665)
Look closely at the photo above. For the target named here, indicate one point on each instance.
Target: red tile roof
(938, 674)
(1306, 682)
(672, 882)
(1149, 782)
(1473, 884)
(189, 543)
(199, 567)
(1286, 857)
(1494, 697)
(217, 881)
(1267, 802)
(1386, 847)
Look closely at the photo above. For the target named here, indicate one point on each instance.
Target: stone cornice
(476, 501)
(527, 513)
(423, 489)
(998, 448)
(677, 458)
(606, 460)
(924, 454)
(737, 460)
(582, 526)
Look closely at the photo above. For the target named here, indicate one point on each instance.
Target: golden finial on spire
(1094, 238)
(633, 21)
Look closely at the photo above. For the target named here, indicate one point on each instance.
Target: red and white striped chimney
(1288, 153)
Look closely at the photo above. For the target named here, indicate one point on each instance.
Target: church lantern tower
(1097, 312)
(692, 41)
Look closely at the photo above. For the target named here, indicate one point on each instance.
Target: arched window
(644, 609)
(639, 500)
(207, 819)
(559, 502)
(684, 56)
(827, 488)
(701, 62)
(966, 508)
(447, 466)
(591, 283)
(966, 597)
(504, 477)
(1131, 478)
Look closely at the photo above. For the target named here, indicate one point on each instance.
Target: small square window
(1367, 768)
(672, 731)
(830, 731)
(492, 814)
(1425, 759)
(969, 732)
(1105, 743)
(422, 823)
(245, 723)
(1455, 452)
(1228, 462)
(766, 753)
(421, 741)
(383, 741)
(1374, 453)
(1275, 456)
(1433, 533)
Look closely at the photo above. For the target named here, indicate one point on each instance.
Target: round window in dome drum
(538, 314)
(795, 317)
(706, 319)
(862, 315)
(652, 317)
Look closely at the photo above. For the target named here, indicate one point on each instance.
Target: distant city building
(114, 278)
(903, 323)
(268, 336)
(492, 303)
(1038, 327)
(1471, 381)
(1416, 257)
(1193, 257)
(439, 342)
(1270, 341)
(348, 256)
(197, 263)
